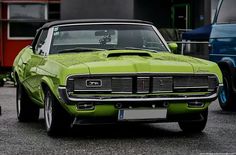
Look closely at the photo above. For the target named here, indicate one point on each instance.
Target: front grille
(191, 83)
(142, 84)
(122, 84)
(162, 84)
(198, 82)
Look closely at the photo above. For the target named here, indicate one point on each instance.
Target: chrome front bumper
(145, 98)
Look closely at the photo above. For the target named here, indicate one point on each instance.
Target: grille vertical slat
(143, 84)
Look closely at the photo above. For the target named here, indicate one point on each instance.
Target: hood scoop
(129, 54)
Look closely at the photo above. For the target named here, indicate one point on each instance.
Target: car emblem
(93, 83)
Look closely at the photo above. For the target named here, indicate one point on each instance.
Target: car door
(33, 79)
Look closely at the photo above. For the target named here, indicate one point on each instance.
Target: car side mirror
(31, 47)
(173, 47)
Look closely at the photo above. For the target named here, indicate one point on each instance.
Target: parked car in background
(111, 71)
(223, 50)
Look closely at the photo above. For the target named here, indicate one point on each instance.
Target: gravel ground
(163, 138)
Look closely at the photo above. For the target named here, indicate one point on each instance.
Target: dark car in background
(223, 50)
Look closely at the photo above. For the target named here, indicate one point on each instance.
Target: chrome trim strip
(69, 100)
(200, 87)
(162, 91)
(161, 38)
(122, 78)
(139, 77)
(98, 90)
(121, 92)
(48, 42)
(164, 77)
(141, 92)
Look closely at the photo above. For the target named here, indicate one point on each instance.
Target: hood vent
(129, 54)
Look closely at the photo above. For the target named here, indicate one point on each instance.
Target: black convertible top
(62, 22)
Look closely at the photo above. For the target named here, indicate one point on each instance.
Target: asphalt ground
(219, 135)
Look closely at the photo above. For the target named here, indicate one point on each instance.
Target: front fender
(52, 84)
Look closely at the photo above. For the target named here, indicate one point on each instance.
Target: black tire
(27, 111)
(1, 83)
(227, 99)
(57, 120)
(194, 126)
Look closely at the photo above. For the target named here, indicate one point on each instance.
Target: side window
(227, 12)
(40, 45)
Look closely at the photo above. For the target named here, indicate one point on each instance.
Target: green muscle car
(111, 71)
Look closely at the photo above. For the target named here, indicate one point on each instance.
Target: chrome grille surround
(143, 83)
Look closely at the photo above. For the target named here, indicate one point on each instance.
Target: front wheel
(26, 109)
(195, 126)
(226, 96)
(57, 120)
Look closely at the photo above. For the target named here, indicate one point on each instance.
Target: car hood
(131, 61)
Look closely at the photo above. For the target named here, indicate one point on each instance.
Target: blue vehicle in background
(222, 50)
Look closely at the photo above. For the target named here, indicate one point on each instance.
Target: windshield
(83, 38)
(227, 12)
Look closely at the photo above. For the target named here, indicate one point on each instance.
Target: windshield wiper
(80, 49)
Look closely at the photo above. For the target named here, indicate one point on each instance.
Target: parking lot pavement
(163, 138)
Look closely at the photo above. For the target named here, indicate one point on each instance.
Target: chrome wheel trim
(48, 111)
(18, 101)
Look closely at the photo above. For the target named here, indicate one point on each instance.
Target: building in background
(181, 14)
(19, 19)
